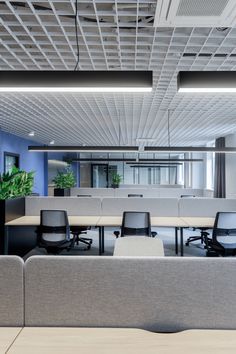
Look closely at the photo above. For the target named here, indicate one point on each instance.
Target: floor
(167, 235)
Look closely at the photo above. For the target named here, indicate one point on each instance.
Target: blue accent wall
(29, 161)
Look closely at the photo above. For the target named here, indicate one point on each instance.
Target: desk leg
(100, 240)
(182, 241)
(6, 240)
(103, 239)
(176, 240)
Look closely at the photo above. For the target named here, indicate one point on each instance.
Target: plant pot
(10, 209)
(61, 192)
(114, 185)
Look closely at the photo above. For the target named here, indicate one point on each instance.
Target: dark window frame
(12, 154)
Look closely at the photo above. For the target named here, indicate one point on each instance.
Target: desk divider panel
(146, 192)
(73, 205)
(204, 207)
(156, 206)
(94, 192)
(11, 291)
(177, 192)
(159, 294)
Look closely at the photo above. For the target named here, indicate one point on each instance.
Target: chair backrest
(224, 232)
(138, 246)
(136, 223)
(135, 195)
(54, 226)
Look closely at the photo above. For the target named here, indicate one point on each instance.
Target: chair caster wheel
(186, 243)
(211, 254)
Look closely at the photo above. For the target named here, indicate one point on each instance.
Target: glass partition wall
(97, 169)
(142, 169)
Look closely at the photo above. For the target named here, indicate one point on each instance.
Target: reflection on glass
(11, 160)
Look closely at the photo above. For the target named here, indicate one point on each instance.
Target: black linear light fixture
(54, 148)
(161, 161)
(75, 81)
(184, 149)
(129, 161)
(200, 149)
(154, 166)
(206, 82)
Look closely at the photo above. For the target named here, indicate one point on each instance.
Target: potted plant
(116, 179)
(14, 186)
(63, 181)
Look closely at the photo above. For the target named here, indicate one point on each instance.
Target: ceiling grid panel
(113, 35)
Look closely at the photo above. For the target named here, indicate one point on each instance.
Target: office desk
(156, 221)
(199, 222)
(121, 340)
(7, 337)
(35, 221)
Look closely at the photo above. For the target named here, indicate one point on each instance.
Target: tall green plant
(116, 179)
(16, 183)
(65, 179)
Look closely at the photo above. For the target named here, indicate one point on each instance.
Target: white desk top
(116, 341)
(7, 336)
(117, 221)
(73, 221)
(199, 221)
(155, 221)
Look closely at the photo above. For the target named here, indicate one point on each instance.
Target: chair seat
(53, 237)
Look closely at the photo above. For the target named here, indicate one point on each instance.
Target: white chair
(135, 246)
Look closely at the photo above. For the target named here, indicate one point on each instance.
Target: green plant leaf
(16, 183)
(65, 179)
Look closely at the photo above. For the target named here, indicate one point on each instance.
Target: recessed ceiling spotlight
(52, 142)
(31, 133)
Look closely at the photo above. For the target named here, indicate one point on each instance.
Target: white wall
(198, 172)
(230, 167)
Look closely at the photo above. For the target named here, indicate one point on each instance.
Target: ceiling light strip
(179, 149)
(206, 82)
(75, 81)
(54, 148)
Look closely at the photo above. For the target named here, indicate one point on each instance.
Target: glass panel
(10, 162)
(100, 174)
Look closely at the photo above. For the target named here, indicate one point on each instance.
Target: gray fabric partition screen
(219, 181)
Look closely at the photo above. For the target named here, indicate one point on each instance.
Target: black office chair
(54, 231)
(81, 230)
(135, 223)
(135, 196)
(203, 233)
(223, 241)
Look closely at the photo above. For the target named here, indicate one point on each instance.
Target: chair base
(76, 232)
(202, 237)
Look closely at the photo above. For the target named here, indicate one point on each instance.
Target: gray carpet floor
(167, 235)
